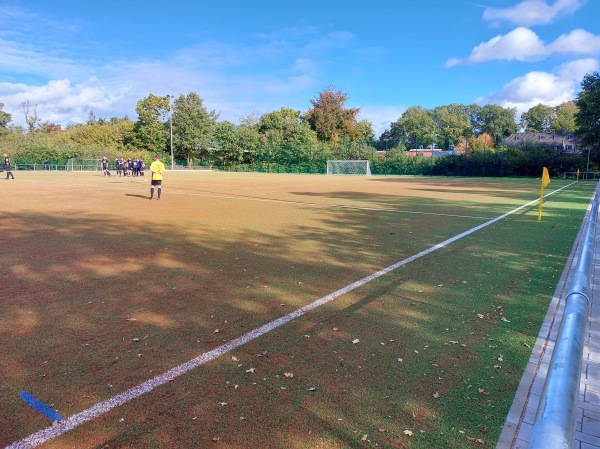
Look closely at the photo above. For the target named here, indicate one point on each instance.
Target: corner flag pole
(545, 182)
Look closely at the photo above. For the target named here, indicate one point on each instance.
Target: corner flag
(545, 182)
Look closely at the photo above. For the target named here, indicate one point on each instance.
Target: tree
(227, 143)
(538, 119)
(330, 119)
(415, 128)
(286, 126)
(482, 142)
(193, 127)
(564, 117)
(587, 118)
(150, 130)
(495, 120)
(92, 120)
(31, 118)
(47, 127)
(116, 134)
(249, 136)
(366, 130)
(453, 122)
(5, 119)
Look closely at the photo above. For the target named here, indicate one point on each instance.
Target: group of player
(136, 167)
(129, 167)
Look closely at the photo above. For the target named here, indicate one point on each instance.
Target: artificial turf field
(104, 291)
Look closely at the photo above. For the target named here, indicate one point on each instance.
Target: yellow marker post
(545, 182)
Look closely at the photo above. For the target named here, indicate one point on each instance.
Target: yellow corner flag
(545, 182)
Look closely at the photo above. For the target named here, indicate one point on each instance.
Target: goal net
(347, 167)
(82, 164)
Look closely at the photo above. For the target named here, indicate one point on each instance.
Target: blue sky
(70, 57)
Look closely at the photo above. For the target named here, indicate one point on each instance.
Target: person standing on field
(105, 166)
(157, 169)
(7, 166)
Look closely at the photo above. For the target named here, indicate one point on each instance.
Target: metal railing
(556, 417)
(40, 167)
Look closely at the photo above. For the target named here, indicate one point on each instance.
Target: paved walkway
(517, 429)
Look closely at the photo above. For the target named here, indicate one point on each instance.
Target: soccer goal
(82, 164)
(348, 167)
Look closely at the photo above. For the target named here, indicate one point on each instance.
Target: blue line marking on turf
(40, 407)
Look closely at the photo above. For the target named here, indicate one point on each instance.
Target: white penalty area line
(60, 428)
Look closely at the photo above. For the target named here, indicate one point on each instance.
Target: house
(429, 152)
(561, 142)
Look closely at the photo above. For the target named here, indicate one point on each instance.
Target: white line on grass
(100, 408)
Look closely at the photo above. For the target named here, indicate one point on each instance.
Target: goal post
(348, 167)
(84, 164)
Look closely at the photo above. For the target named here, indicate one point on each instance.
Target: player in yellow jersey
(157, 168)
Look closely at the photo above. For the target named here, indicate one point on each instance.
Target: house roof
(550, 139)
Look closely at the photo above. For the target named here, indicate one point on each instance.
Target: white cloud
(522, 44)
(577, 41)
(538, 87)
(59, 101)
(533, 12)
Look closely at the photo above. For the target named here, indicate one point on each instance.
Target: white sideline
(44, 435)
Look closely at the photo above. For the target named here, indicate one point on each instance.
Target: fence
(40, 167)
(581, 175)
(554, 426)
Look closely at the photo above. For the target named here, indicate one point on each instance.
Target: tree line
(184, 127)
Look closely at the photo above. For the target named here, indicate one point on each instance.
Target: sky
(68, 58)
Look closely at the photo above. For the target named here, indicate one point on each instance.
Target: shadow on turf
(98, 305)
(145, 197)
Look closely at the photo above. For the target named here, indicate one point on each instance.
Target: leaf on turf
(288, 374)
(235, 359)
(364, 438)
(356, 340)
(436, 395)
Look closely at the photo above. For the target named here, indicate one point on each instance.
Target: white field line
(270, 200)
(44, 435)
